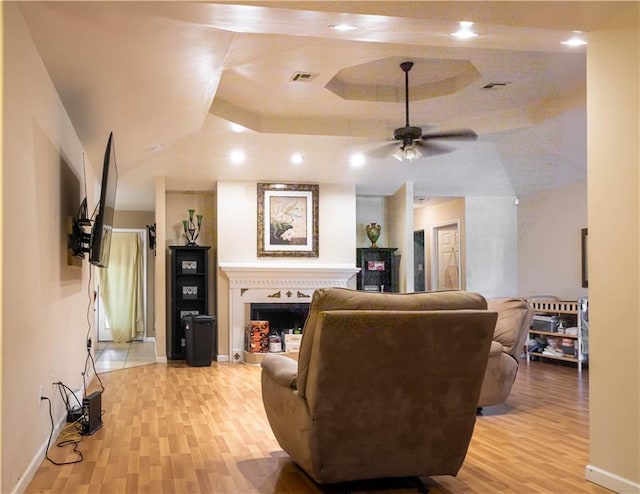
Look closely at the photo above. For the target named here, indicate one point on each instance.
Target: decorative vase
(192, 228)
(373, 232)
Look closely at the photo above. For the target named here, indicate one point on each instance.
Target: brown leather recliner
(386, 385)
(512, 326)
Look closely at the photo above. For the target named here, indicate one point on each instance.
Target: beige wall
(428, 217)
(491, 244)
(549, 242)
(1, 243)
(371, 209)
(44, 300)
(399, 221)
(160, 269)
(613, 115)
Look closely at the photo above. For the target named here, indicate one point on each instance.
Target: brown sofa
(512, 326)
(386, 385)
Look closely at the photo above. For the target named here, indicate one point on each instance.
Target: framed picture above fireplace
(287, 220)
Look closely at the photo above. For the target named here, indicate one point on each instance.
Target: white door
(447, 269)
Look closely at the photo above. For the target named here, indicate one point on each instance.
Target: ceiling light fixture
(237, 156)
(465, 31)
(342, 27)
(576, 40)
(297, 158)
(357, 160)
(237, 127)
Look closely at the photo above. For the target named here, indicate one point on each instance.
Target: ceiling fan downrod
(406, 67)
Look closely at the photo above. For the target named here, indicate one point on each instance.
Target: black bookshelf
(189, 293)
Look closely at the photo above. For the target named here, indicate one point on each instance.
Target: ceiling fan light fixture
(407, 152)
(410, 153)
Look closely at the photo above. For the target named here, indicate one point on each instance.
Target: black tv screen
(103, 224)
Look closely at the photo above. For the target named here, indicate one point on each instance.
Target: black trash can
(201, 340)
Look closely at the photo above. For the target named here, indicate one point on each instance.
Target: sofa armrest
(282, 369)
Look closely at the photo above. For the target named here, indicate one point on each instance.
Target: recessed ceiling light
(237, 156)
(237, 127)
(576, 40)
(465, 31)
(357, 160)
(297, 158)
(342, 27)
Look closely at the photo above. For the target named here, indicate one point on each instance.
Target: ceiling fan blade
(383, 151)
(432, 149)
(460, 134)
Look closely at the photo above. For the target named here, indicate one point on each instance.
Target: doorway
(445, 258)
(102, 322)
(419, 278)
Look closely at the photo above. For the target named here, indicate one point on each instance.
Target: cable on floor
(68, 437)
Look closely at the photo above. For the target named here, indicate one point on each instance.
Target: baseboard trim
(222, 358)
(610, 481)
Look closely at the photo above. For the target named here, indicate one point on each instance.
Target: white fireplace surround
(274, 282)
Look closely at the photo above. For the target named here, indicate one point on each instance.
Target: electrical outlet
(40, 394)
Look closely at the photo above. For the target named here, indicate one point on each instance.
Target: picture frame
(189, 266)
(375, 266)
(288, 220)
(185, 313)
(189, 292)
(585, 260)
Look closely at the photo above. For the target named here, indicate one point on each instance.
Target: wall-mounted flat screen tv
(103, 224)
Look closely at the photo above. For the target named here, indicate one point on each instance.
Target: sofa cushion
(511, 315)
(327, 299)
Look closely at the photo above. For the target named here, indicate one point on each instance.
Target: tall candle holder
(192, 228)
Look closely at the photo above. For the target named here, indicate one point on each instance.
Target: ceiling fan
(412, 138)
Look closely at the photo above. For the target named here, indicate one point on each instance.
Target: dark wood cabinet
(378, 269)
(189, 293)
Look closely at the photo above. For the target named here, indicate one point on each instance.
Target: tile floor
(113, 356)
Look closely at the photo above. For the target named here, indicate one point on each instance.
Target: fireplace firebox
(281, 316)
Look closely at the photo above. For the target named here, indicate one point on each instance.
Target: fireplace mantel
(257, 281)
(283, 275)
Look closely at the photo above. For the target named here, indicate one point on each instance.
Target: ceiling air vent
(302, 77)
(495, 85)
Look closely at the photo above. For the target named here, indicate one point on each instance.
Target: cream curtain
(121, 286)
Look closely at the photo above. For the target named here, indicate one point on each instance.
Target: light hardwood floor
(179, 429)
